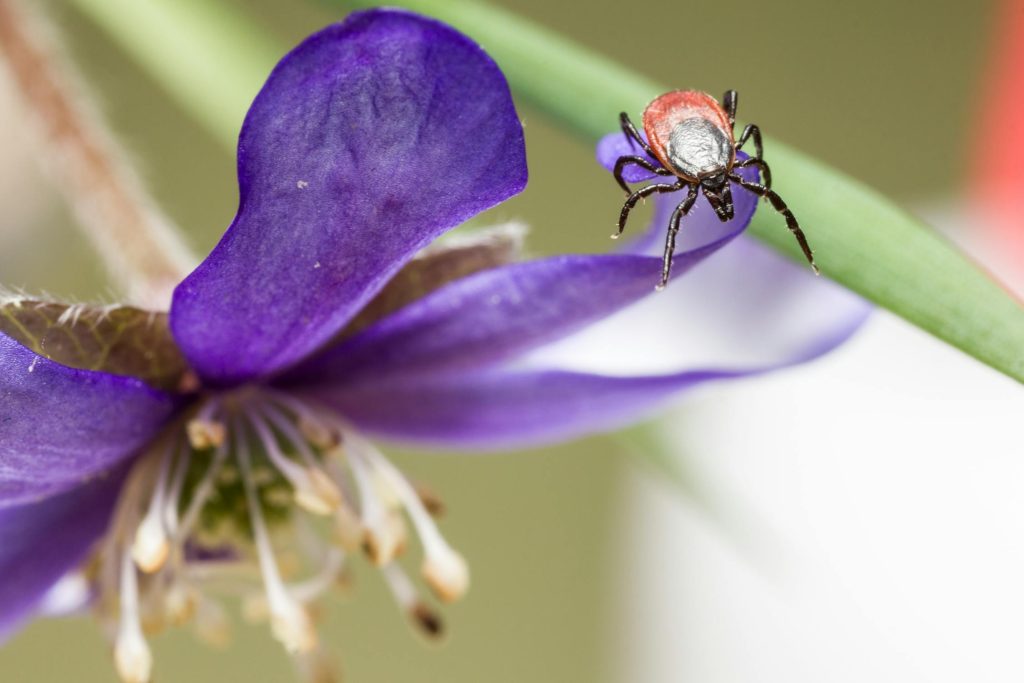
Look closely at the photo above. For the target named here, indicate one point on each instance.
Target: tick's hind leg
(779, 205)
(762, 166)
(622, 162)
(673, 229)
(640, 194)
(632, 134)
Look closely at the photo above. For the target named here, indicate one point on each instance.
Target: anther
(317, 433)
(422, 616)
(385, 539)
(447, 573)
(291, 625)
(314, 491)
(152, 545)
(428, 620)
(444, 570)
(317, 667)
(325, 490)
(133, 659)
(132, 656)
(384, 534)
(325, 487)
(348, 530)
(431, 501)
(204, 434)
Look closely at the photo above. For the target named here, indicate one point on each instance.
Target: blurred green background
(882, 90)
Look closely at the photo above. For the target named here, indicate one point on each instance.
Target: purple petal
(744, 312)
(521, 408)
(744, 308)
(502, 410)
(60, 426)
(369, 140)
(40, 542)
(496, 314)
(615, 145)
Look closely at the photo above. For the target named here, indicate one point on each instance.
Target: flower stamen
(235, 471)
(201, 493)
(171, 500)
(203, 430)
(289, 621)
(325, 487)
(132, 656)
(444, 569)
(314, 491)
(152, 543)
(425, 618)
(384, 533)
(383, 490)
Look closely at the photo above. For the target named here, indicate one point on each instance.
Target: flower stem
(141, 250)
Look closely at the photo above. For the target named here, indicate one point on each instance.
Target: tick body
(691, 137)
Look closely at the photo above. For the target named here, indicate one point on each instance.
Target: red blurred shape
(996, 183)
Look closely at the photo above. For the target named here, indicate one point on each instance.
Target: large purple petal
(40, 542)
(500, 410)
(60, 426)
(743, 312)
(369, 140)
(522, 408)
(497, 314)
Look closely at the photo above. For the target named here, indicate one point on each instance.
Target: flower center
(258, 488)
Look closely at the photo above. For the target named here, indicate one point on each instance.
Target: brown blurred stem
(139, 246)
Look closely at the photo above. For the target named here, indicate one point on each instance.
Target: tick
(693, 138)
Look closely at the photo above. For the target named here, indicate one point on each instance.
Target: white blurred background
(858, 519)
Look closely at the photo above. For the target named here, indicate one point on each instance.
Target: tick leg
(729, 100)
(622, 162)
(673, 229)
(752, 131)
(779, 205)
(640, 194)
(631, 134)
(762, 165)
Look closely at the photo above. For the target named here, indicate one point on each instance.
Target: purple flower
(160, 452)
